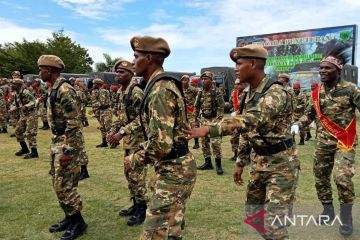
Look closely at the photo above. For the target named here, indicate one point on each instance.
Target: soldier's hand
(115, 138)
(127, 165)
(237, 175)
(197, 132)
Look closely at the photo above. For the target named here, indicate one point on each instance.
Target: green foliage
(23, 55)
(107, 65)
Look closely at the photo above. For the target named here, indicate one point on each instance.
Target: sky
(200, 33)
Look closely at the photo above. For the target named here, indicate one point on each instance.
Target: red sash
(346, 137)
(190, 109)
(236, 99)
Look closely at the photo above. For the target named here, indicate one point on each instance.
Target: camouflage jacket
(268, 120)
(4, 90)
(82, 98)
(338, 104)
(95, 102)
(164, 117)
(25, 98)
(210, 104)
(128, 109)
(299, 105)
(190, 95)
(104, 99)
(64, 115)
(231, 100)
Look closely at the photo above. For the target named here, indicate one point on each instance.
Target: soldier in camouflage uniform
(101, 108)
(3, 105)
(210, 110)
(27, 124)
(66, 146)
(13, 111)
(163, 120)
(234, 105)
(113, 95)
(41, 96)
(129, 99)
(299, 108)
(266, 120)
(80, 92)
(333, 106)
(190, 93)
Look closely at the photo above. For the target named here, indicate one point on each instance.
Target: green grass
(28, 205)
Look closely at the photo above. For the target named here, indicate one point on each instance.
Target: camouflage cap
(97, 81)
(51, 61)
(15, 73)
(208, 74)
(17, 81)
(123, 64)
(185, 77)
(248, 51)
(237, 81)
(150, 44)
(284, 75)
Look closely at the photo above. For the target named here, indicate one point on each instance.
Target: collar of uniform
(155, 73)
(57, 82)
(258, 89)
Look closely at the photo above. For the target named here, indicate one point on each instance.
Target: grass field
(28, 205)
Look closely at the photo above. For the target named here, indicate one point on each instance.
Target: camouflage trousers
(27, 127)
(3, 114)
(65, 179)
(14, 117)
(235, 137)
(271, 192)
(136, 181)
(244, 149)
(215, 145)
(105, 120)
(171, 187)
(330, 159)
(42, 113)
(83, 116)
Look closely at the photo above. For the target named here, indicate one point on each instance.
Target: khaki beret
(208, 74)
(17, 81)
(248, 51)
(185, 76)
(150, 44)
(51, 61)
(237, 81)
(123, 64)
(284, 75)
(15, 73)
(97, 81)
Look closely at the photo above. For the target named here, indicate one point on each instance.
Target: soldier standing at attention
(299, 109)
(190, 93)
(333, 106)
(67, 139)
(3, 105)
(80, 92)
(266, 119)
(13, 111)
(234, 103)
(128, 104)
(210, 110)
(163, 120)
(40, 92)
(27, 124)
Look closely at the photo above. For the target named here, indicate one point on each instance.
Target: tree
(23, 55)
(107, 65)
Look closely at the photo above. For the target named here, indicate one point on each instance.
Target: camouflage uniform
(27, 124)
(271, 176)
(41, 95)
(128, 108)
(190, 94)
(3, 108)
(235, 136)
(13, 111)
(101, 102)
(338, 104)
(67, 138)
(164, 118)
(299, 109)
(95, 103)
(210, 109)
(83, 101)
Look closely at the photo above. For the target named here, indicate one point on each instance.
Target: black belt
(177, 151)
(275, 148)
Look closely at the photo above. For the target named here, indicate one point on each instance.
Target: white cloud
(95, 9)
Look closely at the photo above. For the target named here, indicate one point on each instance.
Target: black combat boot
(5, 130)
(83, 173)
(301, 141)
(346, 228)
(219, 169)
(235, 156)
(33, 154)
(103, 144)
(139, 216)
(308, 136)
(327, 215)
(130, 211)
(12, 135)
(45, 126)
(196, 144)
(61, 226)
(207, 165)
(23, 150)
(76, 228)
